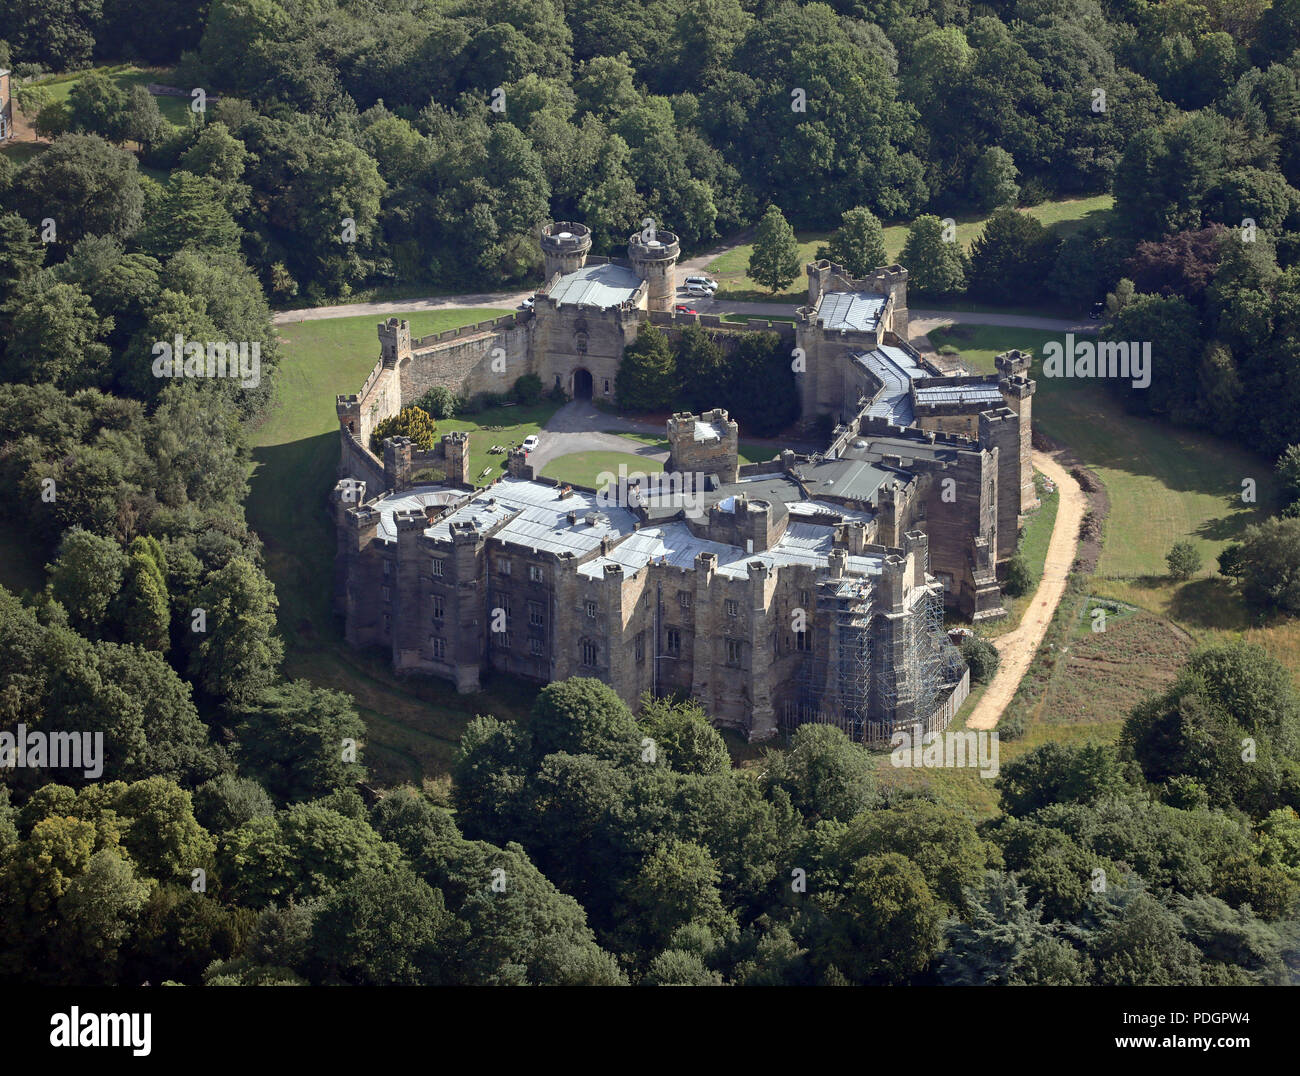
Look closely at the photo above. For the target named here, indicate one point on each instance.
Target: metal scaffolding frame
(834, 683)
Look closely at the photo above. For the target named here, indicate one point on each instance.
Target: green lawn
(583, 468)
(124, 76)
(731, 269)
(1165, 483)
(733, 280)
(504, 426)
(413, 724)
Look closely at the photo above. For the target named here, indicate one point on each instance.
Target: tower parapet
(565, 245)
(653, 255)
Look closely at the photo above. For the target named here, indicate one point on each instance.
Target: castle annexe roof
(858, 311)
(601, 286)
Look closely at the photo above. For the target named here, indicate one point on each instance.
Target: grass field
(583, 468)
(1165, 483)
(413, 725)
(731, 269)
(175, 109)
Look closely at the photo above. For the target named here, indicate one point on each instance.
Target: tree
(1184, 561)
(647, 375)
(1287, 472)
(701, 368)
(193, 213)
(858, 244)
(993, 181)
(1270, 553)
(293, 739)
(582, 716)
(383, 929)
(824, 773)
(982, 657)
(677, 884)
(1019, 579)
(1003, 941)
(683, 737)
(97, 106)
(774, 261)
(1011, 257)
(1232, 561)
(886, 927)
(85, 578)
(238, 653)
(147, 621)
(85, 185)
(56, 335)
(1058, 773)
(935, 265)
(412, 422)
(142, 120)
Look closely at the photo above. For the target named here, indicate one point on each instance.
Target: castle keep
(808, 588)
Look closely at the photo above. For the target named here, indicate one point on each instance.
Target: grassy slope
(730, 269)
(413, 725)
(1164, 484)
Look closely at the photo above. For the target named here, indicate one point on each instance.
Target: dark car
(1097, 311)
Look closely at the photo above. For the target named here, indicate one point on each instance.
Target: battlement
(565, 246)
(706, 444)
(663, 247)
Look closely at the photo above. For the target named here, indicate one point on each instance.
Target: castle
(807, 588)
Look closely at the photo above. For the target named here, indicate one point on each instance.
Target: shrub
(528, 389)
(982, 657)
(439, 402)
(1184, 561)
(412, 422)
(1019, 580)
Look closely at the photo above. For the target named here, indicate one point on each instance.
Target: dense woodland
(1167, 859)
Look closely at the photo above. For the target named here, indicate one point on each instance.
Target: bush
(1184, 561)
(1271, 565)
(1019, 579)
(438, 402)
(528, 390)
(982, 657)
(412, 422)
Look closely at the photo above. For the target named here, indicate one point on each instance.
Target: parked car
(1097, 311)
(682, 308)
(699, 289)
(531, 442)
(712, 285)
(528, 303)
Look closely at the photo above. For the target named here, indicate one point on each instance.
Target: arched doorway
(581, 384)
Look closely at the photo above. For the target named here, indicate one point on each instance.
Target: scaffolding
(834, 684)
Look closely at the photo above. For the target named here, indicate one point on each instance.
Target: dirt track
(1018, 647)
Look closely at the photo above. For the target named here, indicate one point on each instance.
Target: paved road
(1017, 648)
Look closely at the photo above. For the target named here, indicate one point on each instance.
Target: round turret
(565, 245)
(653, 254)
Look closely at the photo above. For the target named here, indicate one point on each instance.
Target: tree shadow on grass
(1210, 602)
